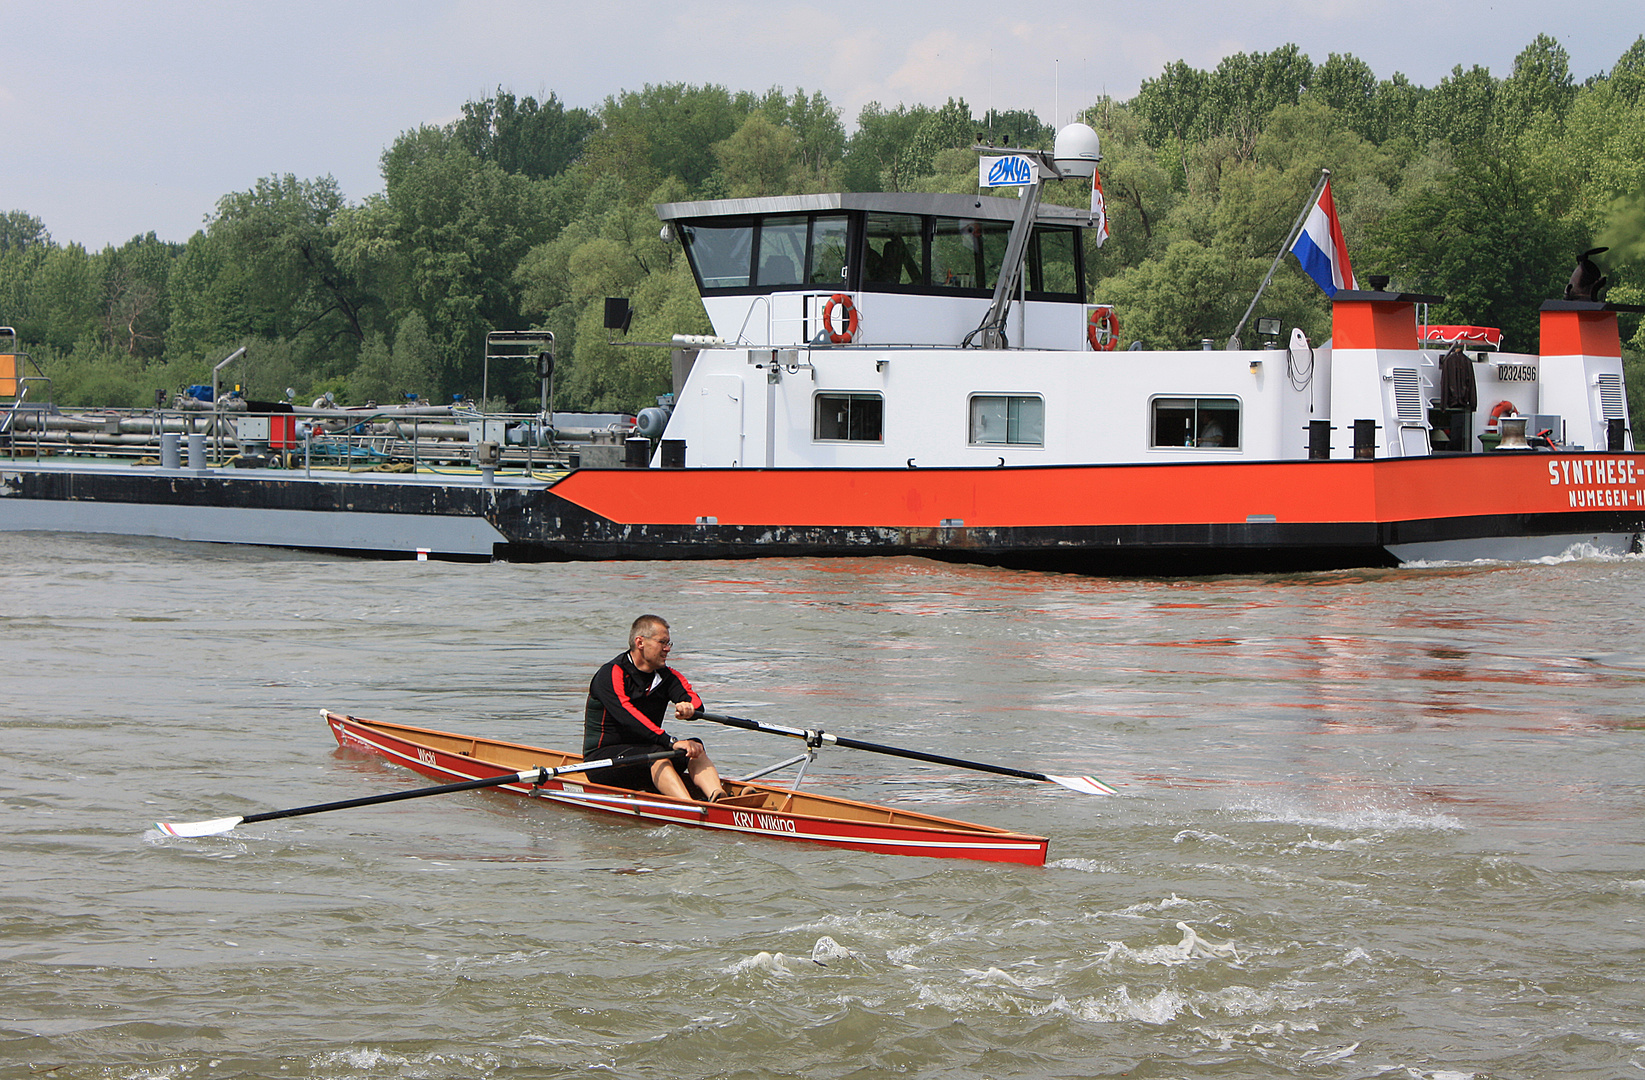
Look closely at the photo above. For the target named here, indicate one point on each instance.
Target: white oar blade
(1085, 785)
(198, 828)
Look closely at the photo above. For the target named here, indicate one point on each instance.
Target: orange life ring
(848, 313)
(1102, 329)
(1501, 408)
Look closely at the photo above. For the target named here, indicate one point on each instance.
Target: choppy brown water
(1410, 801)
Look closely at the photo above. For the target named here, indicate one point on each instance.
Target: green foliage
(1481, 237)
(1020, 128)
(894, 149)
(758, 158)
(524, 211)
(278, 243)
(20, 232)
(521, 136)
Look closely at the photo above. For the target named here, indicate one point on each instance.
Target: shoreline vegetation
(526, 214)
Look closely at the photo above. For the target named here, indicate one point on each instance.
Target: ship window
(827, 251)
(782, 251)
(1201, 422)
(849, 418)
(1007, 420)
(722, 253)
(967, 253)
(894, 249)
(1051, 267)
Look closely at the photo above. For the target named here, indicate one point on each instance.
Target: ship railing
(314, 440)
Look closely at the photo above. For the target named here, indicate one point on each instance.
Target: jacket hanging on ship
(1457, 390)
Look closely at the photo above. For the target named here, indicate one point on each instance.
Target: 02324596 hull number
(769, 822)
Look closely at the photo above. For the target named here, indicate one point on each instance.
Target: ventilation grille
(1407, 394)
(1611, 405)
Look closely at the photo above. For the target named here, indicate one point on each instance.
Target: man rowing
(628, 701)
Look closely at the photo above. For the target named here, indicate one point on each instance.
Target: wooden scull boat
(752, 809)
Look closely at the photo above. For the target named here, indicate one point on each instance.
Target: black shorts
(637, 777)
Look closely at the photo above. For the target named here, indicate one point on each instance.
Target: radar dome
(1077, 150)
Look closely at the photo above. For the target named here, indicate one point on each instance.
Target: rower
(628, 700)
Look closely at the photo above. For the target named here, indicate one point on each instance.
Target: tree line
(525, 214)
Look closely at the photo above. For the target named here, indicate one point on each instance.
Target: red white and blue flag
(1320, 248)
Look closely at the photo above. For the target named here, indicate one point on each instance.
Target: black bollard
(1319, 440)
(1365, 439)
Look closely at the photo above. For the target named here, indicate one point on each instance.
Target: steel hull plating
(754, 809)
(1163, 519)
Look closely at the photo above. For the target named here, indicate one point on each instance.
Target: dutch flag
(1320, 249)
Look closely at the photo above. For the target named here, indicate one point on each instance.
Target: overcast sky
(118, 118)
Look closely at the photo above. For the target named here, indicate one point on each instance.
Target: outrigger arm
(1016, 253)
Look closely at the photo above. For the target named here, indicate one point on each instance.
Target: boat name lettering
(1596, 482)
(769, 822)
(1516, 373)
(425, 756)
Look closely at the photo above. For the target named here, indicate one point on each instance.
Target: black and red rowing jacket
(628, 706)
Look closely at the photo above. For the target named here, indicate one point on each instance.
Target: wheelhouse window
(849, 418)
(828, 251)
(967, 253)
(1051, 266)
(894, 249)
(721, 253)
(777, 252)
(1007, 420)
(782, 251)
(1198, 422)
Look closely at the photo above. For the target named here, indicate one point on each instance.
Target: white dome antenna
(1078, 149)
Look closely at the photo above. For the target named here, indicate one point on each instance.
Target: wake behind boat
(753, 809)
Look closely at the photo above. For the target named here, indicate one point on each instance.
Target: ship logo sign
(1010, 171)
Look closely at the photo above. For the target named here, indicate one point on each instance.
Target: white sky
(117, 118)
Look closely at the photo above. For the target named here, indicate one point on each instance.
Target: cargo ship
(921, 374)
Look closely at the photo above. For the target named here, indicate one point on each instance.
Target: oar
(527, 776)
(1085, 785)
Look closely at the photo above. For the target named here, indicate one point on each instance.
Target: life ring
(848, 313)
(1102, 329)
(1500, 409)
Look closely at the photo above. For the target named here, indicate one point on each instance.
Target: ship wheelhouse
(919, 269)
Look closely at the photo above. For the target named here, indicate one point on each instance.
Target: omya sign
(1013, 170)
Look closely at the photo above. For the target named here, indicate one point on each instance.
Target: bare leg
(668, 781)
(705, 775)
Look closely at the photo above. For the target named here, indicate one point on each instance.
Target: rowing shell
(752, 809)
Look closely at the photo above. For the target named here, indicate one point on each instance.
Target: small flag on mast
(1320, 249)
(1099, 208)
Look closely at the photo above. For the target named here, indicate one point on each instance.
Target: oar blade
(198, 828)
(1085, 785)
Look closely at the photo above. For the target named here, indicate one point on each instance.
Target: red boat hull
(754, 810)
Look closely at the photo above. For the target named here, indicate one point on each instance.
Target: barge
(913, 374)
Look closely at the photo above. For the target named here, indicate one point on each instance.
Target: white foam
(1172, 901)
(1374, 819)
(775, 963)
(1117, 1006)
(993, 977)
(1086, 866)
(1579, 552)
(827, 949)
(1202, 835)
(1170, 954)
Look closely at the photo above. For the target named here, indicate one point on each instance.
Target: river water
(1401, 809)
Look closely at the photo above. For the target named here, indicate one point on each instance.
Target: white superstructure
(853, 324)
